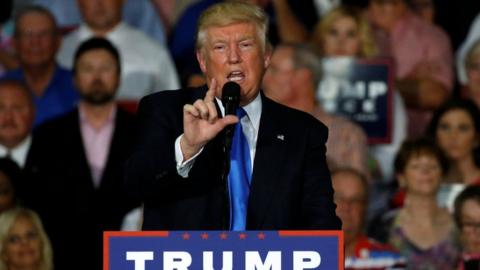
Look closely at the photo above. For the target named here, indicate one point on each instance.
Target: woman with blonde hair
(23, 241)
(343, 32)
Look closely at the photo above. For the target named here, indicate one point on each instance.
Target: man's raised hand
(201, 122)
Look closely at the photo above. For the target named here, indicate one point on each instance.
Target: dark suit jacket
(290, 189)
(75, 212)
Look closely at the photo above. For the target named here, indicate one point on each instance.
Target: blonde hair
(7, 221)
(232, 12)
(367, 45)
(474, 51)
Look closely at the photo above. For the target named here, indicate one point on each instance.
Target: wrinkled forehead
(15, 93)
(34, 19)
(348, 184)
(94, 3)
(233, 32)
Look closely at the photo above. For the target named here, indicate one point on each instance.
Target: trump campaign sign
(360, 90)
(181, 250)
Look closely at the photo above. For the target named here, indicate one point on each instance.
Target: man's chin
(98, 100)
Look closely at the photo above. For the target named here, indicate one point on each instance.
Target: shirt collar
(253, 110)
(85, 32)
(19, 153)
(84, 121)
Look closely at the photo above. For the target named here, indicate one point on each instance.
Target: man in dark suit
(176, 167)
(79, 162)
(16, 120)
(17, 114)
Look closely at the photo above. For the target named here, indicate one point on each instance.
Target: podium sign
(156, 250)
(360, 90)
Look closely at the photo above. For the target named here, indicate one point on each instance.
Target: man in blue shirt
(36, 42)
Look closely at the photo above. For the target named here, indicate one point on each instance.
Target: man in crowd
(36, 42)
(146, 64)
(351, 197)
(17, 114)
(291, 80)
(16, 120)
(140, 14)
(422, 55)
(278, 177)
(80, 161)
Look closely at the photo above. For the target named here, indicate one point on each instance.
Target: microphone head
(230, 97)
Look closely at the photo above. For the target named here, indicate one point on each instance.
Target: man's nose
(7, 114)
(344, 206)
(233, 55)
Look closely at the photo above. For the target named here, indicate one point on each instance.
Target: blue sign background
(347, 90)
(326, 246)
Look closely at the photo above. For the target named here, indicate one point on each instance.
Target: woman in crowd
(343, 32)
(9, 177)
(472, 66)
(456, 128)
(23, 242)
(467, 218)
(423, 232)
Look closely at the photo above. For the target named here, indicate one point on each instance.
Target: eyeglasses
(469, 226)
(40, 34)
(354, 200)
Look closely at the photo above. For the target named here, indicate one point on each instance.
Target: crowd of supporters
(73, 71)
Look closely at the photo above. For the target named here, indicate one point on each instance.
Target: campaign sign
(360, 90)
(181, 250)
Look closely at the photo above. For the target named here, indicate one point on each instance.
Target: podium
(249, 250)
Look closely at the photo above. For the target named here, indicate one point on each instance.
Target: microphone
(230, 101)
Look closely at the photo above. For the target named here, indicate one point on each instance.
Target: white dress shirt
(19, 153)
(250, 126)
(140, 14)
(472, 36)
(146, 64)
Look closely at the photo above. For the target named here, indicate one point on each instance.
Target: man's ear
(201, 60)
(267, 55)
(57, 41)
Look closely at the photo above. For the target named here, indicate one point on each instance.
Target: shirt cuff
(183, 166)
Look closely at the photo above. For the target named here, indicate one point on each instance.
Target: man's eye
(245, 45)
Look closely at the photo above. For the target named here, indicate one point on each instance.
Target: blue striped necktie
(239, 177)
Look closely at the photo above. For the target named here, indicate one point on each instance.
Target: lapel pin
(281, 137)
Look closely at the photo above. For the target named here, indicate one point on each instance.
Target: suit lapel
(81, 162)
(114, 151)
(269, 156)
